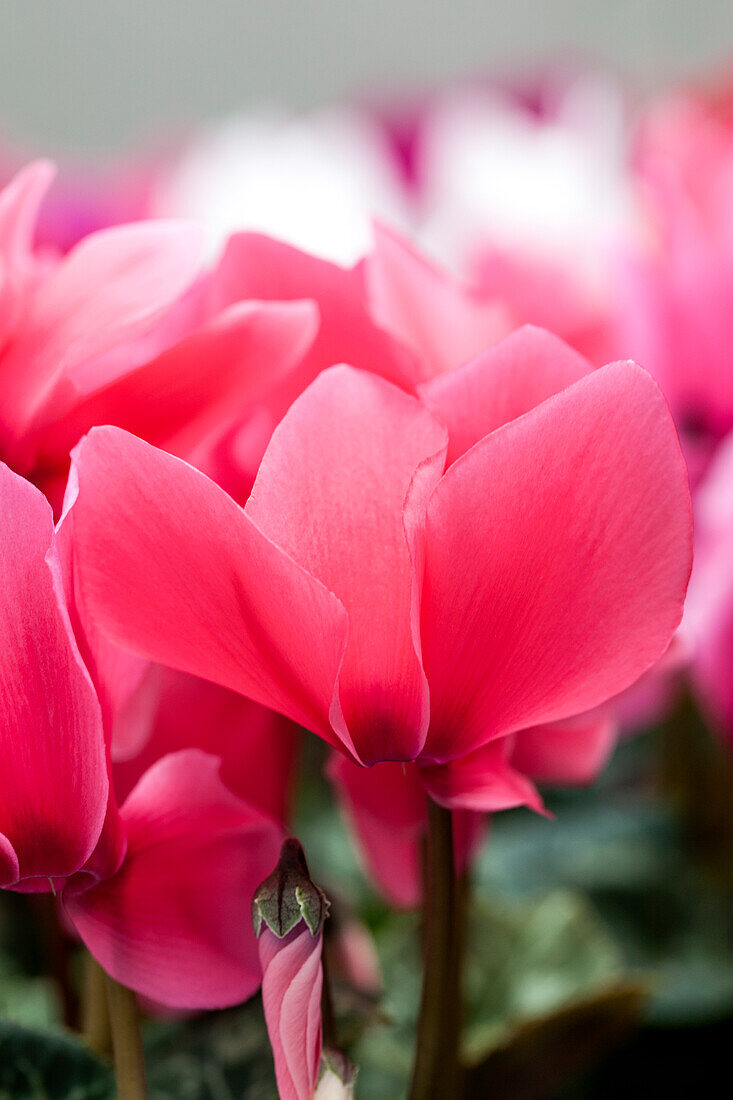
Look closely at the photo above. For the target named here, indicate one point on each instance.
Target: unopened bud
(289, 895)
(337, 1077)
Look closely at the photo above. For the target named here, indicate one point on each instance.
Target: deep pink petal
(255, 266)
(173, 923)
(558, 554)
(442, 322)
(330, 492)
(171, 710)
(109, 289)
(385, 809)
(481, 781)
(52, 756)
(171, 568)
(117, 673)
(501, 384)
(570, 752)
(198, 386)
(292, 979)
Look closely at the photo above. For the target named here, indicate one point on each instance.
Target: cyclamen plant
(542, 573)
(454, 551)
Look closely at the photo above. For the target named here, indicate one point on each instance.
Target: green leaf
(44, 1065)
(626, 849)
(30, 1001)
(216, 1056)
(543, 1054)
(526, 961)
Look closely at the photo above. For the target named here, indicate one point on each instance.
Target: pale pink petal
(109, 289)
(330, 492)
(558, 555)
(570, 752)
(441, 321)
(20, 265)
(501, 384)
(172, 569)
(53, 773)
(292, 979)
(9, 867)
(173, 923)
(198, 386)
(483, 781)
(20, 201)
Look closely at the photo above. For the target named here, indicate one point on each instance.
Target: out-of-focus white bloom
(553, 186)
(331, 1086)
(316, 181)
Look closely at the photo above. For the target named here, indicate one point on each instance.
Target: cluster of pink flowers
(256, 492)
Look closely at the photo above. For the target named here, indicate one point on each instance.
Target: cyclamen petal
(258, 749)
(482, 781)
(569, 752)
(386, 809)
(292, 980)
(53, 771)
(171, 924)
(19, 204)
(109, 288)
(558, 551)
(254, 266)
(194, 389)
(508, 380)
(215, 597)
(442, 322)
(330, 492)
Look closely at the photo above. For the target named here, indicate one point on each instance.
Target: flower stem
(126, 1042)
(95, 1011)
(436, 1073)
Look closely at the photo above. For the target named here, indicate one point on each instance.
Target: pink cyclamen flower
(530, 197)
(122, 330)
(157, 887)
(708, 624)
(372, 316)
(288, 913)
(399, 609)
(676, 284)
(386, 806)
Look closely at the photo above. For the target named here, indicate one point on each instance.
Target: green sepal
(289, 896)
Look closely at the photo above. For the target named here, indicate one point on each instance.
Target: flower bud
(288, 914)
